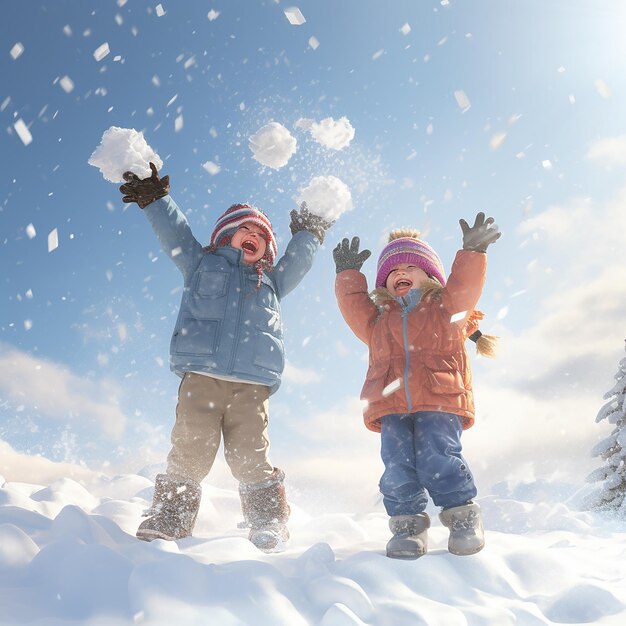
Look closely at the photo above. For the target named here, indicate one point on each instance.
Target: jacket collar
(383, 297)
(234, 256)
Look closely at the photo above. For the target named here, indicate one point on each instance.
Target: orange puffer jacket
(417, 356)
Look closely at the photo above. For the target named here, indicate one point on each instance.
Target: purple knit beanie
(408, 250)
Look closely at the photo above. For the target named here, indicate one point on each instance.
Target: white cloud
(608, 151)
(25, 468)
(54, 392)
(300, 376)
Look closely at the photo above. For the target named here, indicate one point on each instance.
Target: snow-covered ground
(68, 555)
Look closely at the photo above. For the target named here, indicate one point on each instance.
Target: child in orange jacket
(418, 388)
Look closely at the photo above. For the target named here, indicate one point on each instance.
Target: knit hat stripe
(238, 215)
(412, 251)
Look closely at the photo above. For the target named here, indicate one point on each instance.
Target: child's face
(250, 239)
(404, 277)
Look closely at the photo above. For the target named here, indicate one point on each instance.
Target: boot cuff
(277, 477)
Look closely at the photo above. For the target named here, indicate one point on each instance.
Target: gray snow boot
(410, 536)
(265, 509)
(466, 528)
(174, 509)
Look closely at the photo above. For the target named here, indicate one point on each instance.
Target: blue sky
(85, 329)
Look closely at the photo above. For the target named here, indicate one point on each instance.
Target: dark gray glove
(348, 257)
(481, 235)
(305, 220)
(144, 191)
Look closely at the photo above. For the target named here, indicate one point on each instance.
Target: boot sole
(405, 555)
(468, 552)
(150, 535)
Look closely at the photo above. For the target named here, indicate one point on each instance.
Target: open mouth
(403, 284)
(249, 246)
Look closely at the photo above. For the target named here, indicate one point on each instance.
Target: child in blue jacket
(228, 348)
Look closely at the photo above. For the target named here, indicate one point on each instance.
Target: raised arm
(308, 232)
(467, 277)
(167, 220)
(356, 307)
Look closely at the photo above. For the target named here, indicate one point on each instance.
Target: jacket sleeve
(295, 263)
(357, 308)
(174, 234)
(465, 284)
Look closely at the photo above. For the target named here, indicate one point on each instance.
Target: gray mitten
(144, 191)
(348, 257)
(481, 235)
(305, 220)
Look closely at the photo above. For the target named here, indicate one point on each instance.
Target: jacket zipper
(405, 314)
(231, 365)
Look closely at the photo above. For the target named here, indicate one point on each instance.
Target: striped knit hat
(405, 247)
(237, 215)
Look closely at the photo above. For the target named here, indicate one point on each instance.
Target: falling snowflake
(294, 15)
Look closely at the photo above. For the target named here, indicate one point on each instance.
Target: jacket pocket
(211, 284)
(376, 382)
(265, 294)
(443, 374)
(269, 353)
(196, 337)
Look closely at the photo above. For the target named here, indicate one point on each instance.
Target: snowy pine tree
(611, 494)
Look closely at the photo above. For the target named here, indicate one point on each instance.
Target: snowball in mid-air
(335, 134)
(272, 145)
(122, 150)
(326, 196)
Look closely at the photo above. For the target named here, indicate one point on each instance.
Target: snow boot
(466, 528)
(410, 536)
(266, 511)
(174, 509)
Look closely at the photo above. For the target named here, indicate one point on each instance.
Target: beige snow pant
(208, 407)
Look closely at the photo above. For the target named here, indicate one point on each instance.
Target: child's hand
(348, 257)
(144, 191)
(481, 235)
(305, 220)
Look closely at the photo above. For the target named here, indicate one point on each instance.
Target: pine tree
(611, 494)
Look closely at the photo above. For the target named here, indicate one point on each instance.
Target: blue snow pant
(422, 452)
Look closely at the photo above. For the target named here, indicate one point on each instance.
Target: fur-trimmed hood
(430, 288)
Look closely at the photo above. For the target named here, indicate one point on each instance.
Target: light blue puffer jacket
(226, 326)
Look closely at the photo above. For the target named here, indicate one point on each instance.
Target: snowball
(313, 42)
(378, 54)
(462, 100)
(333, 134)
(16, 50)
(122, 150)
(405, 29)
(213, 15)
(101, 51)
(160, 11)
(272, 145)
(30, 231)
(294, 15)
(22, 131)
(546, 164)
(326, 196)
(53, 240)
(178, 124)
